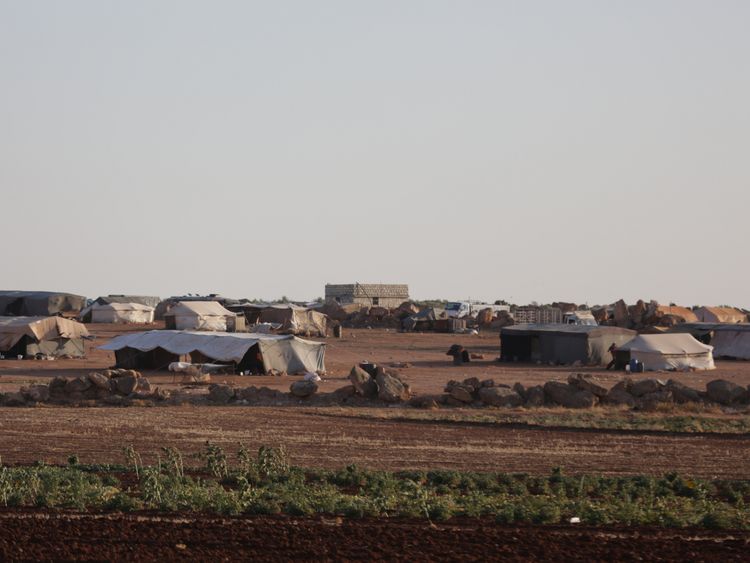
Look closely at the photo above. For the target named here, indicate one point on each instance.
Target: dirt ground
(41, 537)
(336, 437)
(430, 369)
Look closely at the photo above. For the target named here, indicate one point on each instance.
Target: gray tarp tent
(561, 344)
(293, 319)
(40, 303)
(157, 348)
(151, 301)
(51, 336)
(728, 340)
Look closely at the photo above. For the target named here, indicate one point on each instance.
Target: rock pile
(386, 385)
(585, 391)
(113, 387)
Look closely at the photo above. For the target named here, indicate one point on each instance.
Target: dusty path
(137, 538)
(331, 438)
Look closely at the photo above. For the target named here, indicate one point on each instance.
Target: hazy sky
(577, 150)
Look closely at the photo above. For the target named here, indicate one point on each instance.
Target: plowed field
(335, 438)
(143, 538)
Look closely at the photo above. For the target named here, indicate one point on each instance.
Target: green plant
(272, 462)
(133, 459)
(216, 460)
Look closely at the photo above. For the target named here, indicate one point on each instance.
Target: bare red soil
(334, 438)
(42, 537)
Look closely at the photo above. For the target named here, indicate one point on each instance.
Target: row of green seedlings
(266, 483)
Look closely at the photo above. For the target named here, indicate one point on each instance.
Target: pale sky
(579, 150)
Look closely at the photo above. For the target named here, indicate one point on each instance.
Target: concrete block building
(370, 294)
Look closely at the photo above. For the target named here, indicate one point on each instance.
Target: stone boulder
(99, 380)
(57, 388)
(724, 392)
(618, 396)
(36, 393)
(569, 396)
(535, 396)
(651, 401)
(125, 384)
(303, 388)
(77, 385)
(390, 387)
(520, 389)
(682, 393)
(462, 393)
(500, 397)
(473, 383)
(220, 394)
(363, 383)
(621, 315)
(644, 386)
(586, 382)
(14, 400)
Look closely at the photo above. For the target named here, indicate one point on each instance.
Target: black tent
(560, 343)
(40, 303)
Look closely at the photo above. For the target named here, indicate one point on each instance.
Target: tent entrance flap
(252, 361)
(156, 359)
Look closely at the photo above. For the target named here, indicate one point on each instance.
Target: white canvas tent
(121, 313)
(200, 315)
(672, 351)
(285, 353)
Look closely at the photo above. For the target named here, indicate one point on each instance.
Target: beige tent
(672, 351)
(295, 320)
(122, 313)
(156, 349)
(202, 315)
(720, 315)
(677, 311)
(50, 336)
